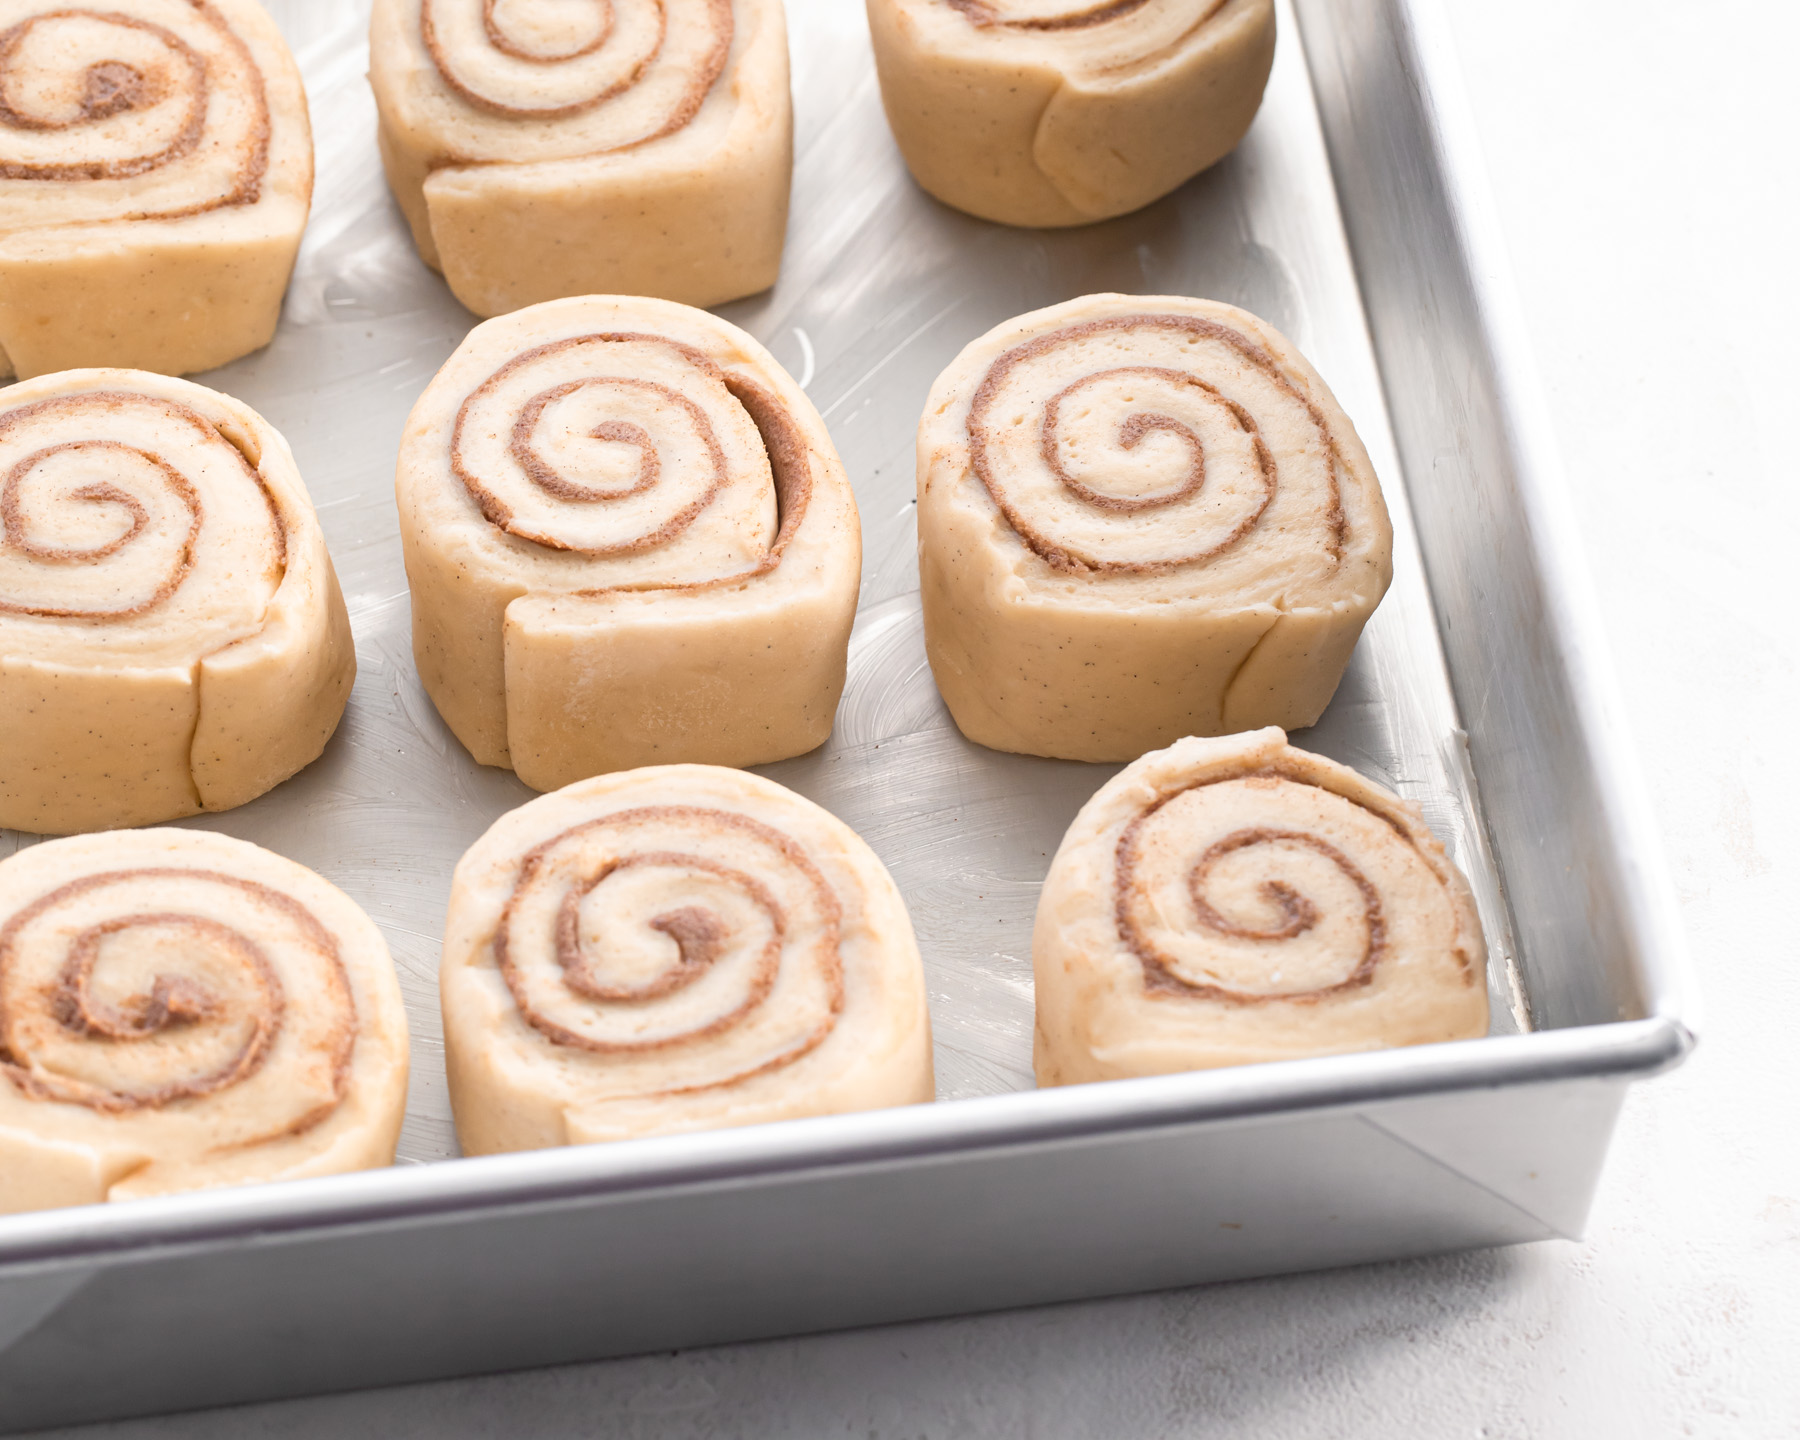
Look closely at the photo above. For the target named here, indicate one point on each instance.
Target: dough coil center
(699, 941)
(541, 60)
(98, 529)
(1150, 449)
(98, 95)
(139, 990)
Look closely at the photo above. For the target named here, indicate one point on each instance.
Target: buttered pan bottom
(880, 289)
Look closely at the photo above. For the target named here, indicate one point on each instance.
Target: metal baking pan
(1353, 218)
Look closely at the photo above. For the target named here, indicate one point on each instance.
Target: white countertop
(1642, 159)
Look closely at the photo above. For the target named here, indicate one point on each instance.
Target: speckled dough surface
(172, 636)
(155, 172)
(629, 541)
(181, 1010)
(1233, 900)
(1141, 517)
(1062, 112)
(675, 948)
(541, 150)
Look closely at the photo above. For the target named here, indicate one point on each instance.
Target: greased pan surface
(880, 288)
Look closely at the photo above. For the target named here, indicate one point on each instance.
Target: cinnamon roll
(181, 1010)
(1062, 112)
(1141, 517)
(172, 637)
(1228, 901)
(629, 541)
(544, 148)
(155, 172)
(676, 948)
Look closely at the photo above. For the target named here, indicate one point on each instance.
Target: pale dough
(172, 635)
(638, 147)
(629, 542)
(1141, 517)
(1234, 900)
(675, 948)
(181, 1010)
(156, 169)
(1063, 112)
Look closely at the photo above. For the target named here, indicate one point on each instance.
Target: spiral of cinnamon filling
(1138, 444)
(538, 60)
(616, 444)
(1049, 14)
(118, 507)
(162, 94)
(1235, 900)
(140, 989)
(694, 947)
(1276, 909)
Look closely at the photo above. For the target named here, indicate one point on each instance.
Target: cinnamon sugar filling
(701, 935)
(173, 1001)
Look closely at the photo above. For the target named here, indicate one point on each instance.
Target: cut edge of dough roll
(1099, 1016)
(96, 746)
(570, 679)
(175, 295)
(513, 1088)
(1000, 125)
(692, 216)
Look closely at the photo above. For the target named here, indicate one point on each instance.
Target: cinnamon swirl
(1062, 112)
(155, 173)
(629, 541)
(181, 1010)
(1141, 517)
(544, 148)
(1235, 900)
(676, 948)
(172, 637)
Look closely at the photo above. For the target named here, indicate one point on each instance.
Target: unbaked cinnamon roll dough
(181, 1010)
(1062, 112)
(172, 636)
(1141, 517)
(629, 541)
(670, 949)
(155, 173)
(1227, 901)
(540, 149)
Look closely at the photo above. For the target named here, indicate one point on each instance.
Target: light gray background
(1642, 154)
